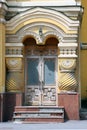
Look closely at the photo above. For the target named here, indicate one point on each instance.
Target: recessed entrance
(41, 72)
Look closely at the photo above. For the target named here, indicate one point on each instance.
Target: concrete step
(38, 114)
(83, 114)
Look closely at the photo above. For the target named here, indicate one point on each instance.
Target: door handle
(42, 83)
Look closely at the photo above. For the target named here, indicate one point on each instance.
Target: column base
(71, 105)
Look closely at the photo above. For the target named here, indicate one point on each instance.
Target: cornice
(45, 3)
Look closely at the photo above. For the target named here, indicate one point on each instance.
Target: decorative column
(67, 67)
(14, 64)
(3, 9)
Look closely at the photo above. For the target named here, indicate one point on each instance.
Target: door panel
(32, 90)
(41, 81)
(33, 75)
(49, 88)
(49, 71)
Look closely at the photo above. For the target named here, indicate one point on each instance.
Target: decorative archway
(47, 24)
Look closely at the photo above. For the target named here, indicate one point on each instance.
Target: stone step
(38, 114)
(83, 114)
(33, 112)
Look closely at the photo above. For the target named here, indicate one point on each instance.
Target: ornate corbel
(14, 65)
(67, 68)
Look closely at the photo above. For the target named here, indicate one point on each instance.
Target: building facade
(41, 49)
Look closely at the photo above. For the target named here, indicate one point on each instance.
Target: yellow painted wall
(83, 53)
(84, 22)
(2, 57)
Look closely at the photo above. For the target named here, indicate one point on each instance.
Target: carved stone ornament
(67, 64)
(67, 82)
(14, 64)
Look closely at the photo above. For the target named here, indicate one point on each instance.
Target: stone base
(71, 105)
(7, 103)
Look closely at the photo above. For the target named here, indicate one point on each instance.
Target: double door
(41, 80)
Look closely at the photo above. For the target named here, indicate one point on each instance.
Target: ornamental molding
(67, 65)
(47, 30)
(41, 39)
(14, 45)
(45, 15)
(67, 82)
(14, 64)
(67, 50)
(45, 3)
(14, 50)
(3, 9)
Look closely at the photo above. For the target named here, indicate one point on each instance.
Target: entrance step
(83, 114)
(37, 114)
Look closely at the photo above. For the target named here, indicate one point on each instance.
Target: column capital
(3, 9)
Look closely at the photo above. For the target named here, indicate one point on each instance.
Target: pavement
(72, 124)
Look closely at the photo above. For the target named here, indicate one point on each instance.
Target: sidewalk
(73, 125)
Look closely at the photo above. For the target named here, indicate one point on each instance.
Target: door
(41, 80)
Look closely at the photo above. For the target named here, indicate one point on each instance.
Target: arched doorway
(41, 72)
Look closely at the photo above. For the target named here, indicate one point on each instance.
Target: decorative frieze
(67, 50)
(14, 50)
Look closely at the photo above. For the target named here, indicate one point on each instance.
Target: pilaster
(67, 67)
(14, 64)
(3, 9)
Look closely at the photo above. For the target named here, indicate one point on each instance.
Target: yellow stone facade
(83, 53)
(2, 57)
(2, 49)
(19, 28)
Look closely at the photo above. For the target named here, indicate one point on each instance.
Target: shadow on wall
(84, 103)
(9, 101)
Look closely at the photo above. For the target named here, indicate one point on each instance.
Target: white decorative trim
(67, 50)
(64, 45)
(70, 25)
(51, 30)
(4, 1)
(44, 3)
(67, 56)
(20, 56)
(14, 45)
(2, 20)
